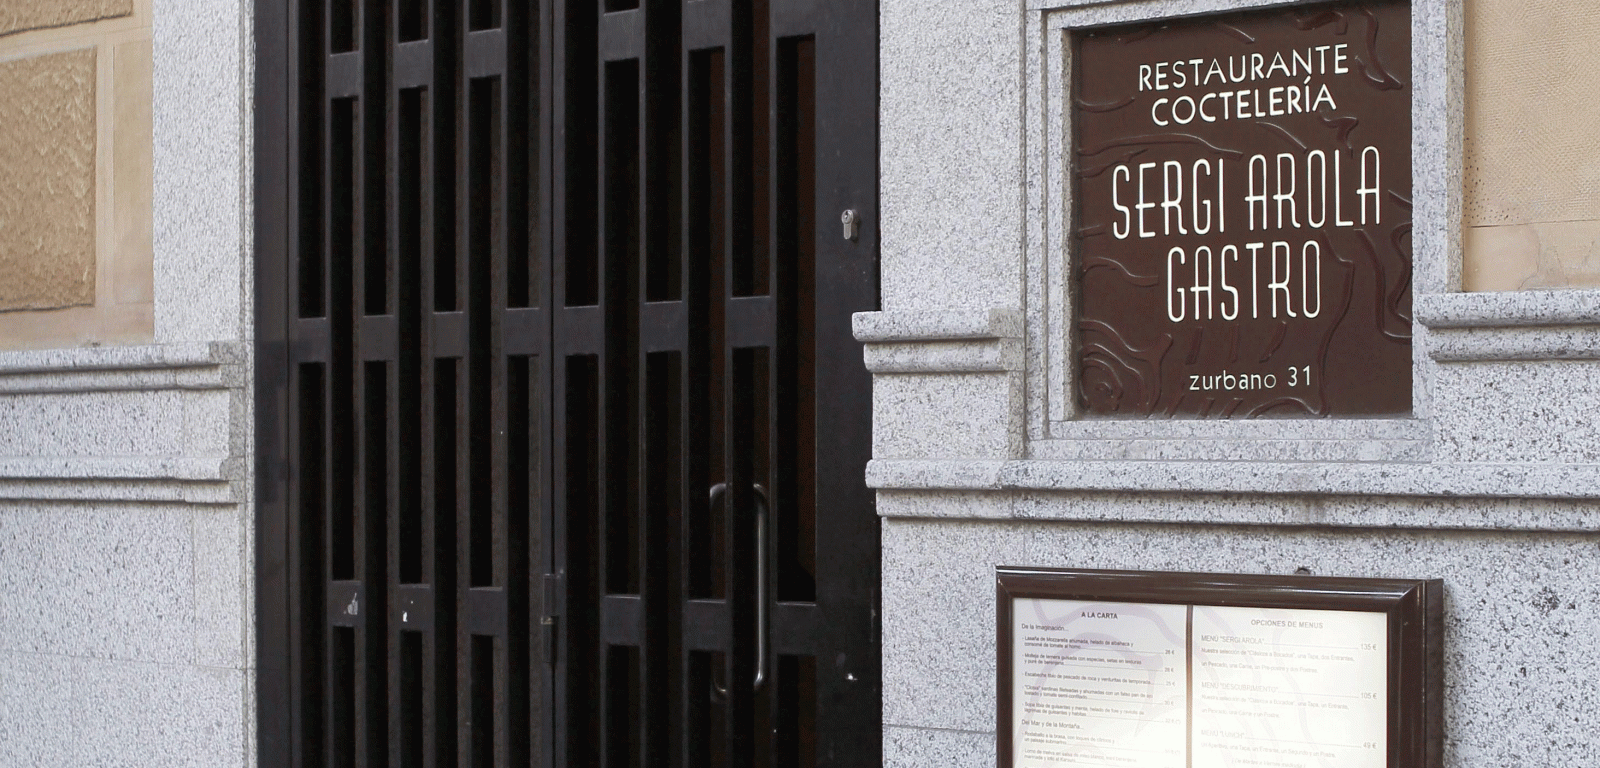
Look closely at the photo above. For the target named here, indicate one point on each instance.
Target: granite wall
(981, 458)
(126, 557)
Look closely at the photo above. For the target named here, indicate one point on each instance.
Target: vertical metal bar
(467, 648)
(438, 418)
(541, 271)
(621, 234)
(514, 290)
(411, 639)
(290, 32)
(342, 222)
(369, 288)
(656, 250)
(574, 86)
(745, 18)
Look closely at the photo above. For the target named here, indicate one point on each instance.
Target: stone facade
(982, 458)
(126, 632)
(126, 527)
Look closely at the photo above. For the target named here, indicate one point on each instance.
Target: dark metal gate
(561, 425)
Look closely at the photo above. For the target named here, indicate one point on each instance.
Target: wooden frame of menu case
(1415, 649)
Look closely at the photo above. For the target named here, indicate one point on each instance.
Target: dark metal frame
(403, 392)
(1415, 644)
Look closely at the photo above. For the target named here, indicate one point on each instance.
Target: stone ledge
(901, 326)
(1131, 508)
(1299, 450)
(124, 469)
(144, 357)
(1512, 309)
(1242, 430)
(1461, 481)
(1517, 325)
(987, 356)
(1502, 344)
(193, 480)
(147, 491)
(196, 368)
(941, 341)
(100, 369)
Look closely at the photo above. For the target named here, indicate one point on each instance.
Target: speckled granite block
(202, 55)
(953, 505)
(1518, 412)
(937, 748)
(64, 711)
(140, 715)
(220, 591)
(36, 711)
(94, 424)
(951, 156)
(101, 582)
(968, 415)
(938, 621)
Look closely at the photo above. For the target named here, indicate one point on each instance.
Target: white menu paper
(1102, 684)
(1280, 688)
(1098, 684)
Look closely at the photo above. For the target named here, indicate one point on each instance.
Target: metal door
(718, 546)
(561, 426)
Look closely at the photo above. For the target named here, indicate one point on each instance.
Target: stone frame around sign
(1055, 428)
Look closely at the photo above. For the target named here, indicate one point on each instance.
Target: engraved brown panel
(1243, 222)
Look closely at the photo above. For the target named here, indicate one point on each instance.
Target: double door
(561, 425)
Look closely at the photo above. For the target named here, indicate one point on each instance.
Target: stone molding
(1512, 326)
(122, 387)
(1345, 479)
(943, 341)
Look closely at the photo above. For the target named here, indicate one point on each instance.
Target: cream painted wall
(1532, 199)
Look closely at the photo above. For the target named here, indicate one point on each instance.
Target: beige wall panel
(132, 274)
(23, 15)
(1532, 198)
(1556, 254)
(47, 207)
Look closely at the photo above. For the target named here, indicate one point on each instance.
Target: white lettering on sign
(1284, 277)
(1221, 102)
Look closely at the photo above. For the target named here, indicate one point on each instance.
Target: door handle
(763, 510)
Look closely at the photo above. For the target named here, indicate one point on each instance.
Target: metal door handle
(762, 511)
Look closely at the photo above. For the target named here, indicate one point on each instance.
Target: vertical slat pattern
(342, 194)
(413, 134)
(416, 548)
(556, 273)
(439, 351)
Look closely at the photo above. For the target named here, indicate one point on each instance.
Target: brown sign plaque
(1191, 670)
(1243, 214)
